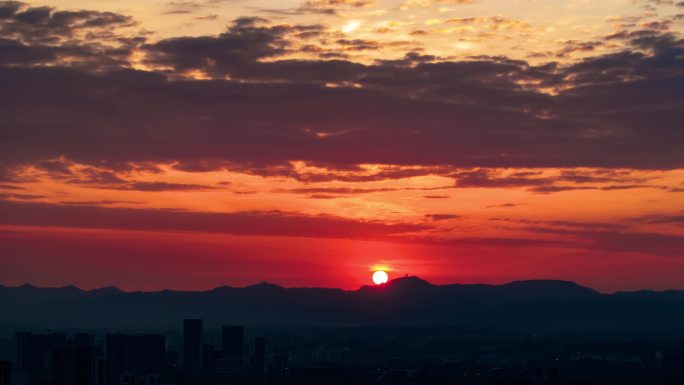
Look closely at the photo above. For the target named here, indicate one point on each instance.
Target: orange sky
(193, 144)
(468, 234)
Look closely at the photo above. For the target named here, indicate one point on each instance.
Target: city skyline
(403, 332)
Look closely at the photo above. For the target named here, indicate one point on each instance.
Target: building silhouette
(319, 357)
(35, 354)
(232, 351)
(260, 355)
(102, 371)
(209, 355)
(5, 372)
(135, 356)
(73, 363)
(192, 345)
(233, 341)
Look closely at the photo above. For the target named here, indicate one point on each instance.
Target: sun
(380, 277)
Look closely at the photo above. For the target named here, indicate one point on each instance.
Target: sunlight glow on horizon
(233, 141)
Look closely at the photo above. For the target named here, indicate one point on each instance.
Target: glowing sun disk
(380, 277)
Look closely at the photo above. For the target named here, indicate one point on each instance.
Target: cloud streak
(273, 223)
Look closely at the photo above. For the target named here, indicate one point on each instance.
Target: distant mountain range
(532, 306)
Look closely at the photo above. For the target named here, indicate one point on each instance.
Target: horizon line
(372, 286)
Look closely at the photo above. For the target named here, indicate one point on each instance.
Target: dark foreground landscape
(405, 332)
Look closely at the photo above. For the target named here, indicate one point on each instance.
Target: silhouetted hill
(535, 306)
(399, 285)
(650, 294)
(27, 294)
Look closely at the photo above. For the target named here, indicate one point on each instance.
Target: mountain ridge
(534, 306)
(113, 288)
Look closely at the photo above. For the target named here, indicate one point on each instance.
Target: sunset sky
(192, 144)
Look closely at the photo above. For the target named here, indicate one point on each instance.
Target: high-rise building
(73, 364)
(233, 341)
(5, 372)
(192, 344)
(260, 355)
(233, 344)
(137, 355)
(116, 351)
(35, 353)
(208, 359)
(152, 348)
(102, 371)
